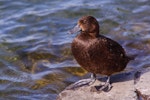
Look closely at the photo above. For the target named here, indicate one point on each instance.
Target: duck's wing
(105, 48)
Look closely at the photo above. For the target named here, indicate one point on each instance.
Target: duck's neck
(94, 34)
(91, 35)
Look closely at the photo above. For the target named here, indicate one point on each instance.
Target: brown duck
(96, 53)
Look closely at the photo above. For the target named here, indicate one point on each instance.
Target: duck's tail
(132, 57)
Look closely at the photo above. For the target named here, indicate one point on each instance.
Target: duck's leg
(83, 82)
(106, 87)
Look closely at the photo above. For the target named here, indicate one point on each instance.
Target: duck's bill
(75, 29)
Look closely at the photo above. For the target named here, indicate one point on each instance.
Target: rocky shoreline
(133, 85)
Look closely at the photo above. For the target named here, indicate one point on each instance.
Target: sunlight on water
(35, 57)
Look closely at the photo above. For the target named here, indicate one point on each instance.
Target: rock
(126, 86)
(123, 89)
(143, 85)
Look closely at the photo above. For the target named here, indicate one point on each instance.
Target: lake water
(35, 57)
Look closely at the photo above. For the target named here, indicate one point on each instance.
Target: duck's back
(99, 55)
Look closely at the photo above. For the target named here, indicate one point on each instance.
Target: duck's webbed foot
(83, 82)
(106, 87)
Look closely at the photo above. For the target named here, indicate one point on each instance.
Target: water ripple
(25, 39)
(36, 60)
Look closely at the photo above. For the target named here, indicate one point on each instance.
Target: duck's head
(88, 25)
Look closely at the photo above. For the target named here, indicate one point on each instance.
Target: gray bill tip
(75, 29)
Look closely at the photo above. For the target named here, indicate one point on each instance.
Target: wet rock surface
(126, 86)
